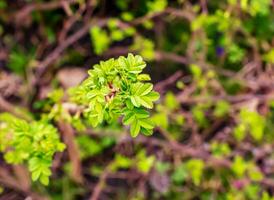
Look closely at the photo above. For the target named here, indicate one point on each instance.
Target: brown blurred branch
(159, 55)
(161, 86)
(170, 11)
(233, 99)
(73, 150)
(25, 11)
(7, 180)
(22, 176)
(55, 54)
(100, 185)
(5, 106)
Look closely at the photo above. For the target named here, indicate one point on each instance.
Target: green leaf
(161, 119)
(136, 101)
(180, 174)
(144, 89)
(35, 175)
(146, 102)
(221, 109)
(171, 102)
(122, 162)
(239, 132)
(135, 128)
(33, 164)
(146, 123)
(46, 171)
(129, 118)
(146, 132)
(143, 77)
(44, 180)
(156, 5)
(141, 113)
(153, 96)
(129, 104)
(100, 39)
(195, 168)
(19, 60)
(144, 162)
(142, 95)
(135, 64)
(239, 166)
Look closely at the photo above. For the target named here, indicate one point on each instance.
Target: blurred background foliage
(211, 61)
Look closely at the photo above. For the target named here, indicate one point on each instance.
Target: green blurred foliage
(224, 50)
(34, 143)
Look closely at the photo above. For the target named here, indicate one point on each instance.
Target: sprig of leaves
(117, 88)
(34, 143)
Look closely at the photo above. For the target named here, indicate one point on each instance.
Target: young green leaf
(135, 128)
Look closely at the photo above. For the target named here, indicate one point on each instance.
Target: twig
(22, 176)
(99, 187)
(170, 11)
(159, 55)
(73, 18)
(231, 99)
(7, 107)
(73, 151)
(43, 66)
(160, 87)
(9, 181)
(204, 6)
(21, 14)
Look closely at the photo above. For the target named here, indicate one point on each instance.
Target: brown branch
(160, 87)
(170, 11)
(54, 55)
(159, 55)
(27, 10)
(89, 7)
(232, 99)
(7, 180)
(3, 55)
(73, 150)
(100, 185)
(22, 176)
(204, 6)
(5, 106)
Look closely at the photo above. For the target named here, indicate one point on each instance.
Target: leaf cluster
(117, 88)
(33, 143)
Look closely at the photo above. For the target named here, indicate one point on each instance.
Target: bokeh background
(212, 61)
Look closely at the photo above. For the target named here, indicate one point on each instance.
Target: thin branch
(160, 87)
(100, 185)
(9, 181)
(73, 150)
(5, 106)
(27, 10)
(55, 54)
(159, 55)
(232, 99)
(170, 11)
